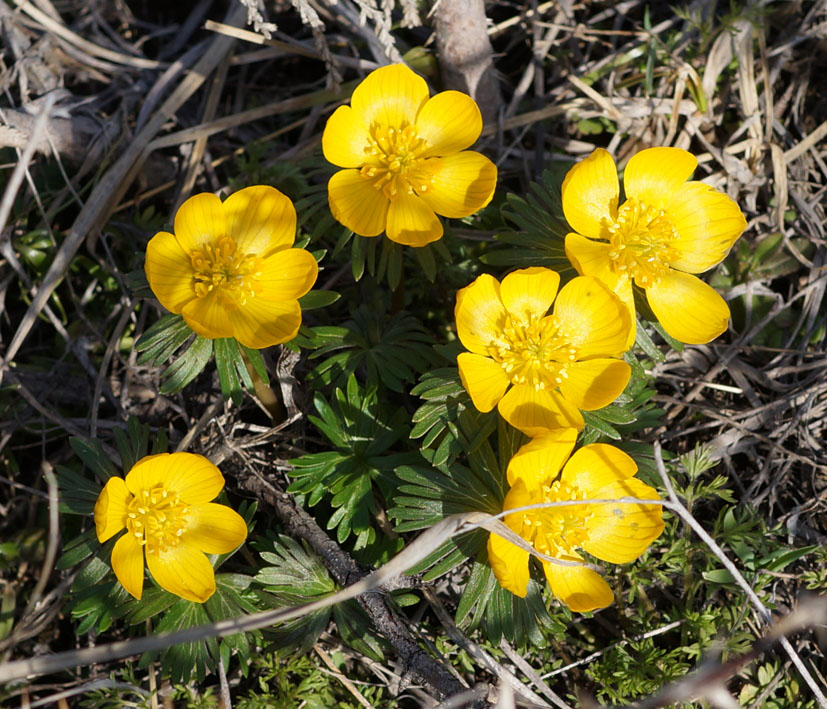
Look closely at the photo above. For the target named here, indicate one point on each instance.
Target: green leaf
(721, 576)
(671, 341)
(782, 558)
(162, 339)
(318, 299)
(646, 343)
(188, 366)
(229, 364)
(355, 629)
(91, 453)
(293, 576)
(363, 434)
(96, 600)
(78, 549)
(78, 495)
(425, 256)
(182, 662)
(153, 601)
(257, 362)
(541, 228)
(391, 350)
(133, 446)
(594, 421)
(357, 257)
(477, 591)
(393, 252)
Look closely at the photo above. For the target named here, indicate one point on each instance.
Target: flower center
(394, 162)
(221, 266)
(157, 517)
(555, 531)
(534, 352)
(640, 242)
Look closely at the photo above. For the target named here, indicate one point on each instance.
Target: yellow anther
(533, 351)
(394, 161)
(159, 520)
(640, 241)
(221, 266)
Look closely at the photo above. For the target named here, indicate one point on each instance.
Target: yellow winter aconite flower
(617, 532)
(229, 269)
(164, 505)
(405, 158)
(666, 230)
(552, 365)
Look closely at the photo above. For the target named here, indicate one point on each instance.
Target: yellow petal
(345, 138)
(595, 321)
(708, 224)
(287, 275)
(653, 175)
(184, 571)
(510, 565)
(261, 323)
(591, 258)
(480, 314)
(199, 221)
(148, 471)
(260, 220)
(523, 492)
(391, 96)
(483, 379)
(461, 184)
(537, 411)
(529, 291)
(620, 532)
(210, 316)
(357, 204)
(578, 587)
(597, 465)
(449, 122)
(539, 461)
(689, 309)
(169, 271)
(214, 529)
(128, 564)
(110, 509)
(590, 193)
(412, 222)
(191, 476)
(595, 383)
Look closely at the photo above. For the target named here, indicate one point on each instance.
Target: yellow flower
(666, 230)
(555, 364)
(229, 269)
(614, 532)
(406, 158)
(164, 505)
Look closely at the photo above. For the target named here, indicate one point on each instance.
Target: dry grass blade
(412, 554)
(19, 173)
(741, 581)
(65, 33)
(103, 197)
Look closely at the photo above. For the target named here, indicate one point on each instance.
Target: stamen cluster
(394, 161)
(221, 266)
(533, 351)
(157, 518)
(556, 531)
(640, 240)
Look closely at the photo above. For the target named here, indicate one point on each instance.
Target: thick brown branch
(465, 53)
(297, 522)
